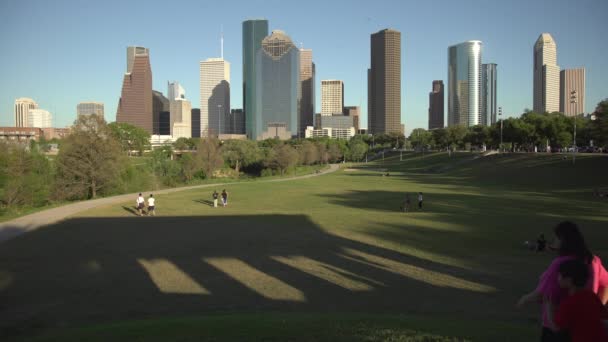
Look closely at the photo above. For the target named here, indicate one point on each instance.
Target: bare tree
(209, 152)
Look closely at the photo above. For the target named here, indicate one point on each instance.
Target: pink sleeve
(600, 276)
(548, 285)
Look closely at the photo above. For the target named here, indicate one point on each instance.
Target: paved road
(34, 221)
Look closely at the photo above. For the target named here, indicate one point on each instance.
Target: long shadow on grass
(99, 269)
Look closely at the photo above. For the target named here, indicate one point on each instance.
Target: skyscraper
(355, 113)
(175, 91)
(436, 108)
(277, 93)
(332, 97)
(384, 83)
(215, 95)
(546, 75)
(160, 114)
(254, 31)
(88, 108)
(307, 87)
(488, 94)
(464, 84)
(39, 118)
(572, 80)
(135, 104)
(181, 122)
(196, 122)
(22, 108)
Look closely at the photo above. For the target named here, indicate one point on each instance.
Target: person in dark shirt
(541, 243)
(215, 196)
(582, 315)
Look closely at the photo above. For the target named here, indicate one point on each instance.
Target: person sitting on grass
(581, 314)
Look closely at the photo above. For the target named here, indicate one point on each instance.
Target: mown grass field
(325, 258)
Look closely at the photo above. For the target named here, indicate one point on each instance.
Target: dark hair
(576, 270)
(572, 241)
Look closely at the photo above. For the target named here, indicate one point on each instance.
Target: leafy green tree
(599, 126)
(456, 135)
(131, 138)
(309, 154)
(357, 148)
(209, 152)
(440, 137)
(420, 138)
(90, 160)
(241, 153)
(282, 158)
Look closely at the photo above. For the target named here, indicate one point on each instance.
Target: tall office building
(384, 83)
(277, 93)
(436, 108)
(332, 97)
(160, 110)
(546, 75)
(39, 118)
(488, 94)
(215, 95)
(89, 108)
(254, 31)
(196, 122)
(307, 87)
(135, 104)
(464, 84)
(572, 80)
(355, 113)
(181, 121)
(175, 91)
(236, 122)
(22, 108)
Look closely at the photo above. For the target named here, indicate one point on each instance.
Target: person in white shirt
(151, 206)
(139, 204)
(420, 201)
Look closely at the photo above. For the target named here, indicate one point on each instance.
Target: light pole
(500, 114)
(219, 124)
(573, 99)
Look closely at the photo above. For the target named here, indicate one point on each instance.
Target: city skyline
(51, 83)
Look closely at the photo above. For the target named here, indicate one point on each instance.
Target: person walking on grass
(224, 197)
(139, 204)
(215, 196)
(420, 201)
(570, 245)
(581, 314)
(151, 211)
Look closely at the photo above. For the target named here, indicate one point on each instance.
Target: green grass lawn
(324, 258)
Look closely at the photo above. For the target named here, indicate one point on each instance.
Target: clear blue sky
(62, 52)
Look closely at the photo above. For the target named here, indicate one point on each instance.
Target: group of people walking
(140, 204)
(224, 196)
(573, 291)
(406, 207)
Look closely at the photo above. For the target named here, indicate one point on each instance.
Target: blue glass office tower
(464, 84)
(277, 89)
(254, 31)
(488, 94)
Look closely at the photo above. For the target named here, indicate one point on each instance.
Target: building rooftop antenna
(222, 41)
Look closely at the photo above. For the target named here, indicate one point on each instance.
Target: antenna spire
(222, 41)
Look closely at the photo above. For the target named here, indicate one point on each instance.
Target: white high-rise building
(215, 95)
(39, 118)
(175, 91)
(546, 75)
(332, 97)
(22, 108)
(180, 116)
(88, 108)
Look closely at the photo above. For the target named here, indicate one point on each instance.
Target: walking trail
(34, 221)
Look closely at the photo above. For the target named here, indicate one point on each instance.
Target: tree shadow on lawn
(206, 202)
(101, 269)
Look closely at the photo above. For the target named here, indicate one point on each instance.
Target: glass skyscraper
(277, 93)
(464, 84)
(488, 94)
(254, 31)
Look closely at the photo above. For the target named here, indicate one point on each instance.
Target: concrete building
(181, 122)
(334, 133)
(464, 84)
(135, 104)
(572, 80)
(436, 107)
(39, 118)
(236, 122)
(254, 31)
(332, 97)
(277, 89)
(215, 95)
(384, 83)
(307, 88)
(22, 108)
(196, 122)
(175, 91)
(355, 113)
(337, 126)
(89, 108)
(489, 86)
(20, 134)
(546, 75)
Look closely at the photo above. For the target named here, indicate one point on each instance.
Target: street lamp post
(500, 114)
(573, 99)
(219, 124)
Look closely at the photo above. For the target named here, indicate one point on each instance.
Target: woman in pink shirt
(570, 244)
